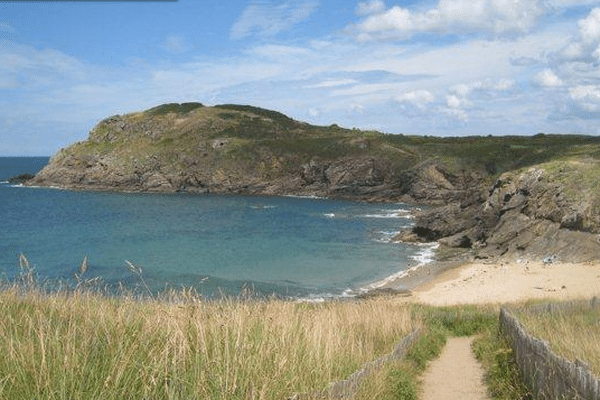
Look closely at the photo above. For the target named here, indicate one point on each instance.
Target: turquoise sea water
(298, 247)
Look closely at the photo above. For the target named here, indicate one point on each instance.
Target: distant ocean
(219, 244)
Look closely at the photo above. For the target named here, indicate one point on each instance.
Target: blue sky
(440, 67)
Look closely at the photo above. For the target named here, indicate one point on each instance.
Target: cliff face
(501, 196)
(550, 211)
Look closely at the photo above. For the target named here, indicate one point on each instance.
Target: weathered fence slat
(546, 374)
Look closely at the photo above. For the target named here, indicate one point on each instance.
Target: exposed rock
(524, 215)
(460, 240)
(19, 179)
(409, 237)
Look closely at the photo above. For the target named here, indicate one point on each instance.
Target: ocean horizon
(290, 247)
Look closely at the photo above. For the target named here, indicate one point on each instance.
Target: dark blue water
(216, 243)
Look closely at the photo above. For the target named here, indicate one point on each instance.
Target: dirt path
(456, 374)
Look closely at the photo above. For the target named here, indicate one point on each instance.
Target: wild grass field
(85, 345)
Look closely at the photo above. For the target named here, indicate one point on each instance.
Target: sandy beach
(509, 281)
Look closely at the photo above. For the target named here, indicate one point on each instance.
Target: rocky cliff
(497, 195)
(550, 211)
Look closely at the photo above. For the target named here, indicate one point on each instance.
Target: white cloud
(462, 97)
(505, 84)
(371, 7)
(457, 113)
(268, 19)
(453, 101)
(498, 17)
(587, 96)
(461, 89)
(332, 83)
(584, 45)
(418, 98)
(589, 27)
(485, 85)
(547, 78)
(32, 67)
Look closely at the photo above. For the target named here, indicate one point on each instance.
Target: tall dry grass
(84, 345)
(572, 332)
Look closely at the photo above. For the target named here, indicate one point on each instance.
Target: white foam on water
(20, 185)
(323, 297)
(426, 256)
(423, 257)
(402, 213)
(308, 196)
(262, 207)
(386, 236)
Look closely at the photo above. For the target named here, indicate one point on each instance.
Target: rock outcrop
(531, 213)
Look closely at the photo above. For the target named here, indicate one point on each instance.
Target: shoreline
(502, 281)
(463, 280)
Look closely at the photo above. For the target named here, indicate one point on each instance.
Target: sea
(303, 248)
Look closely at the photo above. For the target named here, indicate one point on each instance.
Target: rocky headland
(498, 196)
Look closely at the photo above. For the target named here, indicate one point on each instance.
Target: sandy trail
(456, 374)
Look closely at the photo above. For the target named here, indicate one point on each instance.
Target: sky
(433, 67)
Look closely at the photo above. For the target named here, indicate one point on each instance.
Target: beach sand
(504, 281)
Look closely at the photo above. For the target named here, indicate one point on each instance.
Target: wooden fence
(547, 375)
